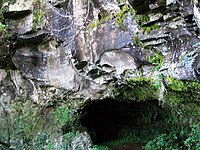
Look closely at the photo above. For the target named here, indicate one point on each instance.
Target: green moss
(129, 93)
(108, 18)
(173, 99)
(138, 80)
(175, 92)
(94, 23)
(12, 1)
(7, 2)
(137, 89)
(183, 86)
(138, 93)
(176, 85)
(193, 85)
(26, 125)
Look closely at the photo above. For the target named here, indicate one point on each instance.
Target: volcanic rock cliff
(82, 51)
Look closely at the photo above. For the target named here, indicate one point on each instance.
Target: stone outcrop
(96, 42)
(84, 50)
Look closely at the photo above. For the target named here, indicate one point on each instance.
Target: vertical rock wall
(85, 46)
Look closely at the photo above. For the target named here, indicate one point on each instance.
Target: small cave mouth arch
(105, 119)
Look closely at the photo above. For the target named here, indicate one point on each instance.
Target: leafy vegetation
(94, 23)
(62, 114)
(148, 29)
(136, 89)
(25, 125)
(137, 41)
(156, 59)
(4, 33)
(176, 85)
(38, 14)
(186, 138)
(3, 27)
(117, 16)
(120, 16)
(143, 19)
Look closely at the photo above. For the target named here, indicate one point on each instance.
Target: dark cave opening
(104, 119)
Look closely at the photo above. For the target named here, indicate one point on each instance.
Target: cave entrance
(106, 119)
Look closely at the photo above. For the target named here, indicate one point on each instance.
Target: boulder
(20, 5)
(119, 60)
(32, 64)
(2, 74)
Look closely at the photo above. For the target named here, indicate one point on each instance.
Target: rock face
(84, 47)
(81, 51)
(196, 10)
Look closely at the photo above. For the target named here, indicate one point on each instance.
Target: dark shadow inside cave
(104, 119)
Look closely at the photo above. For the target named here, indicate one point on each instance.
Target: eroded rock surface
(85, 47)
(82, 51)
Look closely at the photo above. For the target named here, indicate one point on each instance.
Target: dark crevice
(104, 119)
(17, 14)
